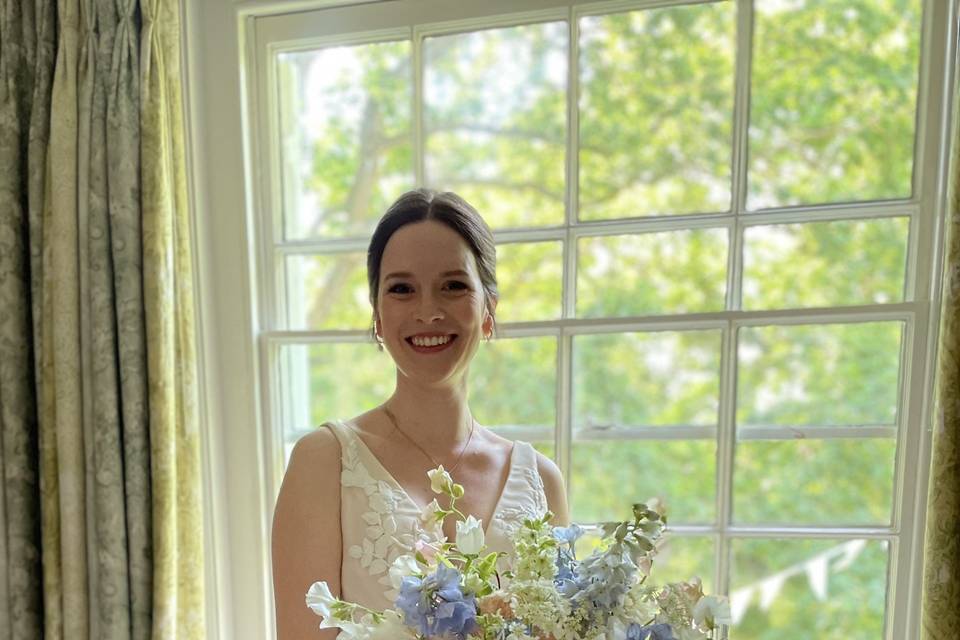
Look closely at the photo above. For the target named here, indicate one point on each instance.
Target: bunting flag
(816, 569)
(739, 601)
(851, 550)
(770, 589)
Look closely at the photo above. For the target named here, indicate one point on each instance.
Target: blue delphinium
(600, 583)
(436, 605)
(566, 537)
(650, 632)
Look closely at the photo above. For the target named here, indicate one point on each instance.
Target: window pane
(680, 558)
(646, 379)
(656, 111)
(495, 120)
(322, 382)
(514, 381)
(609, 476)
(825, 264)
(547, 449)
(840, 374)
(346, 140)
(683, 558)
(802, 589)
(831, 482)
(530, 278)
(652, 273)
(833, 101)
(328, 292)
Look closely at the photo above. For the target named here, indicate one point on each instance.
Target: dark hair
(445, 207)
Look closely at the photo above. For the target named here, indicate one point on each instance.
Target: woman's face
(430, 288)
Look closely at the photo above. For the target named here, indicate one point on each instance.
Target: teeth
(431, 342)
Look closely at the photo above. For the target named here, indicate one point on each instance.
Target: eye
(403, 288)
(458, 284)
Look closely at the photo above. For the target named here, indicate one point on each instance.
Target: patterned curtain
(941, 575)
(99, 501)
(178, 535)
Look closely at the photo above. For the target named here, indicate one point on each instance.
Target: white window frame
(231, 118)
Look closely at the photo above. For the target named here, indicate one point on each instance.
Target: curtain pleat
(85, 199)
(109, 585)
(125, 227)
(62, 308)
(23, 35)
(178, 534)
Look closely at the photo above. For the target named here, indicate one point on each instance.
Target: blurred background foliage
(833, 92)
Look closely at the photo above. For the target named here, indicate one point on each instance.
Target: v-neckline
(389, 476)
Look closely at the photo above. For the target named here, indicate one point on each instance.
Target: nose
(428, 311)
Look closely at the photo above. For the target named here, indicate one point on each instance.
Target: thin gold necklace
(436, 464)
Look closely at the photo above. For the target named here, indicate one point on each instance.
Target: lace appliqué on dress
(383, 540)
(510, 518)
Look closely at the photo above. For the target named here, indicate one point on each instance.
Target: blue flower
(568, 535)
(600, 583)
(414, 602)
(566, 557)
(436, 605)
(650, 632)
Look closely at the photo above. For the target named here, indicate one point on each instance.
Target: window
(715, 225)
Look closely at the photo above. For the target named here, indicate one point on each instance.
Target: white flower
(713, 611)
(470, 535)
(403, 566)
(429, 514)
(320, 600)
(440, 480)
(391, 628)
(355, 630)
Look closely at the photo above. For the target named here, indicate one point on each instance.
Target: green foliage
(833, 101)
(656, 111)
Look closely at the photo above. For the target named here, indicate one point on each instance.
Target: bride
(354, 491)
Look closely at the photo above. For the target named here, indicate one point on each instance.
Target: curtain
(178, 592)
(100, 514)
(27, 51)
(941, 578)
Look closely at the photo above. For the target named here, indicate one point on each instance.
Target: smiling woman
(353, 494)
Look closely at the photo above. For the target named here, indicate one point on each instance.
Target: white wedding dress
(380, 521)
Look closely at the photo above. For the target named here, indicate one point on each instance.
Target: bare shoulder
(306, 543)
(320, 443)
(549, 473)
(310, 489)
(554, 489)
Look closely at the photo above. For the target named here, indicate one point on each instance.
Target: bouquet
(457, 589)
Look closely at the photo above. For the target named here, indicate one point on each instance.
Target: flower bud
(470, 536)
(440, 480)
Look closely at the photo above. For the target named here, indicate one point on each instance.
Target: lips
(435, 349)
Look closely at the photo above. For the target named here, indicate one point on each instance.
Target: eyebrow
(407, 274)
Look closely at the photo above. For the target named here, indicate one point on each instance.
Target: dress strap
(524, 486)
(341, 432)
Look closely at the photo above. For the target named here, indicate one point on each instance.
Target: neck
(436, 417)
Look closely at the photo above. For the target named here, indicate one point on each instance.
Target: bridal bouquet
(455, 590)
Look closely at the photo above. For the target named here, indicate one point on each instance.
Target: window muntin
(733, 173)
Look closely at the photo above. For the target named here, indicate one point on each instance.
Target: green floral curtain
(941, 581)
(99, 500)
(178, 534)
